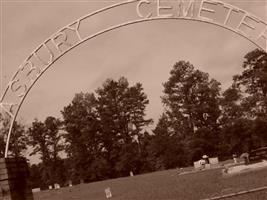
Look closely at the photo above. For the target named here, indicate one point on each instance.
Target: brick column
(14, 184)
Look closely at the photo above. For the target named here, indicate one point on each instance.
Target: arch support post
(14, 179)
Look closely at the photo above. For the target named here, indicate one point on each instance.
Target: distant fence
(258, 154)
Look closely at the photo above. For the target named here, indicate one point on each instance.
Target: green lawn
(165, 185)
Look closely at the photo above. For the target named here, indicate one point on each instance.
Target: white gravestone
(34, 190)
(108, 193)
(131, 173)
(57, 186)
(214, 161)
(70, 183)
(197, 165)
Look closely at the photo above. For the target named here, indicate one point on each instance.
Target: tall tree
(54, 135)
(144, 143)
(254, 82)
(231, 122)
(192, 103)
(45, 138)
(18, 141)
(244, 106)
(191, 97)
(83, 146)
(121, 110)
(231, 104)
(166, 150)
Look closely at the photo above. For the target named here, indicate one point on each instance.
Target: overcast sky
(142, 53)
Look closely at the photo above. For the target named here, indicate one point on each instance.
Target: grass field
(166, 185)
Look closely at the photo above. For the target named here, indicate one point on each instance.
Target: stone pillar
(14, 183)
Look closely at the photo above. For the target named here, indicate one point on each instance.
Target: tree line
(102, 135)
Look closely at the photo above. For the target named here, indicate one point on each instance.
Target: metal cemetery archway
(79, 31)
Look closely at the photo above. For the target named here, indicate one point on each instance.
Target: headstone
(207, 166)
(70, 183)
(50, 187)
(108, 193)
(197, 165)
(34, 190)
(214, 161)
(131, 173)
(202, 163)
(57, 186)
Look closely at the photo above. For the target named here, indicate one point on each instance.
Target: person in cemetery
(206, 158)
(245, 156)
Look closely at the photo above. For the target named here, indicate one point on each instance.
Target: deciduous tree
(83, 140)
(121, 110)
(18, 140)
(46, 140)
(253, 81)
(192, 102)
(166, 149)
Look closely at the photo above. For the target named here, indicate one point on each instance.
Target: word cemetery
(232, 18)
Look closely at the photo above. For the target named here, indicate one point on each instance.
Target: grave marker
(108, 193)
(214, 161)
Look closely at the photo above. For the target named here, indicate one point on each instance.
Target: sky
(142, 52)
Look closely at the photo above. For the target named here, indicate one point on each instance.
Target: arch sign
(123, 14)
